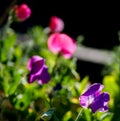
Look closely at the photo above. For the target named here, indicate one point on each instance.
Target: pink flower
(61, 43)
(22, 12)
(56, 24)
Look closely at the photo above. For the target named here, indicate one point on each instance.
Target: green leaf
(15, 83)
(106, 116)
(87, 114)
(111, 85)
(22, 101)
(80, 39)
(3, 54)
(67, 116)
(83, 84)
(18, 52)
(5, 86)
(10, 41)
(46, 116)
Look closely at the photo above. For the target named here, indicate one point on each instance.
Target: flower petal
(104, 109)
(68, 46)
(35, 63)
(100, 103)
(54, 43)
(61, 43)
(44, 77)
(38, 70)
(90, 94)
(56, 24)
(94, 89)
(23, 12)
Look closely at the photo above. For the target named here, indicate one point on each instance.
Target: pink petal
(61, 43)
(23, 12)
(54, 43)
(56, 24)
(68, 46)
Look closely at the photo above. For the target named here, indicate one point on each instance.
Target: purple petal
(38, 70)
(90, 94)
(31, 78)
(35, 63)
(104, 109)
(44, 77)
(85, 101)
(93, 89)
(100, 103)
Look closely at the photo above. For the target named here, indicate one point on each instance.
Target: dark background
(98, 22)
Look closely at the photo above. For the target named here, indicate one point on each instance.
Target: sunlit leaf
(46, 116)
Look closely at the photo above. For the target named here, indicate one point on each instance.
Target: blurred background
(99, 23)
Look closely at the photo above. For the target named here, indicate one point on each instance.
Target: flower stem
(79, 115)
(6, 27)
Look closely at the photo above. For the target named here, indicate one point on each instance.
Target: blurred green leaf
(23, 101)
(14, 84)
(46, 116)
(107, 116)
(83, 84)
(10, 41)
(87, 114)
(111, 85)
(18, 53)
(5, 86)
(67, 116)
(80, 39)
(38, 35)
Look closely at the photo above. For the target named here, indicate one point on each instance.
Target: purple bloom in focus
(38, 70)
(94, 99)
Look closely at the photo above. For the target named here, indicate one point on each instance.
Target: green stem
(79, 115)
(4, 32)
(93, 117)
(56, 66)
(7, 25)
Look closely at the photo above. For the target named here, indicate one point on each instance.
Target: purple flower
(94, 99)
(38, 70)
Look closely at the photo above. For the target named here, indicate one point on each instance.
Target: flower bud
(56, 24)
(22, 12)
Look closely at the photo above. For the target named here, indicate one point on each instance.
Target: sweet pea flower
(38, 70)
(94, 99)
(56, 24)
(60, 43)
(22, 12)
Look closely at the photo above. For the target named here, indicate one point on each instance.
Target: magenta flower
(56, 24)
(38, 70)
(94, 99)
(60, 43)
(22, 12)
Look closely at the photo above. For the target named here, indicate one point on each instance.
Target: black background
(98, 22)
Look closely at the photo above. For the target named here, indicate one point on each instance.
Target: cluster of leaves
(111, 81)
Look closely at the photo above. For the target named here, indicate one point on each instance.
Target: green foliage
(112, 83)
